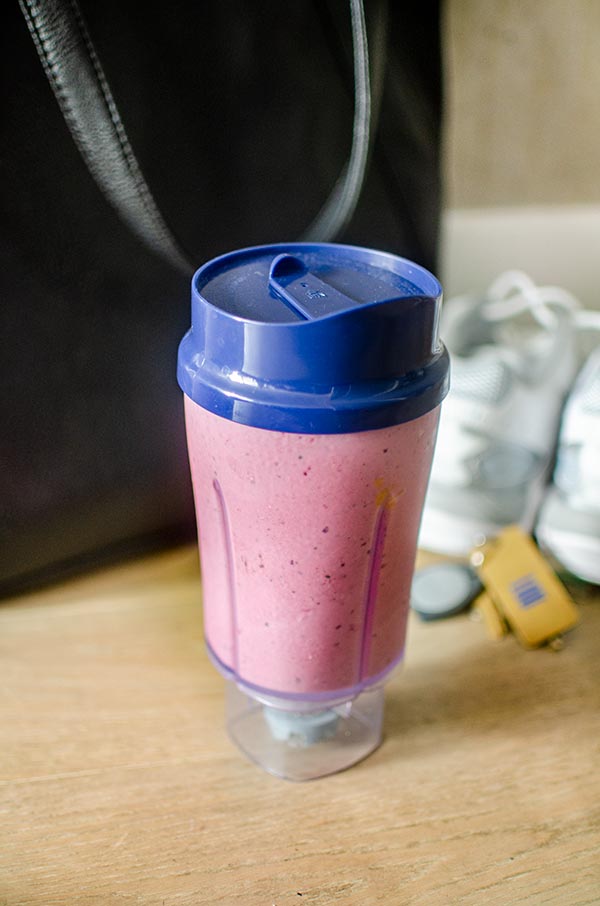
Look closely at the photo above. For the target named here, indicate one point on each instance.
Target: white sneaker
(569, 520)
(512, 361)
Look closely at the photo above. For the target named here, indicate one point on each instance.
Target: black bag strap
(340, 206)
(82, 91)
(88, 107)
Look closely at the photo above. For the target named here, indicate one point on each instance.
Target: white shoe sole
(580, 554)
(448, 534)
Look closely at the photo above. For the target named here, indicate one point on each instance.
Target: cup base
(303, 741)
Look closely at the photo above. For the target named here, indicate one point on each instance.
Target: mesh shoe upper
(513, 359)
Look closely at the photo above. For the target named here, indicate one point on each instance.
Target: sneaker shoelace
(514, 293)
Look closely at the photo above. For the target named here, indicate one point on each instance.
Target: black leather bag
(241, 117)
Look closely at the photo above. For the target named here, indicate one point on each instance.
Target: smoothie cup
(312, 375)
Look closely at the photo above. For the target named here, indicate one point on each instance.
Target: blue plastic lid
(314, 339)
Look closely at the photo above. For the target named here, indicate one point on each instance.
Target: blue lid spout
(303, 291)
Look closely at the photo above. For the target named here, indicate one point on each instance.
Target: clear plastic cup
(308, 514)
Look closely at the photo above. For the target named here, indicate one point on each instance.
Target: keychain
(510, 586)
(523, 589)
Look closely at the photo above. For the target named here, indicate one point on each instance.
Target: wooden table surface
(120, 786)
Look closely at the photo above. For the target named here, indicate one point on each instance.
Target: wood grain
(120, 786)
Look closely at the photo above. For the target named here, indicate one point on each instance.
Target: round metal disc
(443, 590)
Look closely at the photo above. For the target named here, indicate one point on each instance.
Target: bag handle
(341, 204)
(79, 83)
(80, 86)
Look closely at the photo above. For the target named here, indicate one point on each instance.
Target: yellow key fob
(524, 588)
(495, 624)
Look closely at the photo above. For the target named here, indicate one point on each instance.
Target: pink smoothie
(307, 545)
